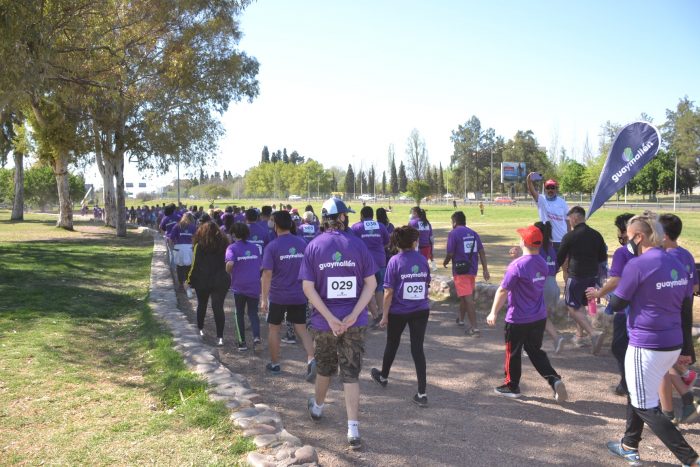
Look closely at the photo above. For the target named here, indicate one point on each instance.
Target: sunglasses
(550, 188)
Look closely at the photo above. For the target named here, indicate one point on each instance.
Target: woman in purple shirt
(405, 303)
(419, 221)
(181, 237)
(243, 263)
(654, 286)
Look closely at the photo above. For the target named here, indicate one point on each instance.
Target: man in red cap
(526, 316)
(551, 207)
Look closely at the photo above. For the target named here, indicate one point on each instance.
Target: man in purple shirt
(523, 286)
(280, 281)
(258, 233)
(464, 249)
(376, 237)
(655, 287)
(338, 275)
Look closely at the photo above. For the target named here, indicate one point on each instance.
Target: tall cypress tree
(393, 178)
(350, 181)
(265, 155)
(403, 181)
(384, 182)
(441, 180)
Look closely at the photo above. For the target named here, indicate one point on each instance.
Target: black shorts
(575, 290)
(296, 314)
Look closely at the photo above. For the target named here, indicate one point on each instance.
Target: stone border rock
(277, 446)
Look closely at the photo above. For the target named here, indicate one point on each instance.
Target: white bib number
(371, 225)
(308, 229)
(468, 245)
(414, 290)
(341, 287)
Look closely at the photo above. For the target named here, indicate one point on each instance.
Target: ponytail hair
(403, 237)
(546, 229)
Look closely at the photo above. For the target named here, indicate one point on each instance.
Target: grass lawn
(87, 376)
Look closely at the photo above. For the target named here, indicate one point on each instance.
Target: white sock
(422, 395)
(317, 409)
(353, 428)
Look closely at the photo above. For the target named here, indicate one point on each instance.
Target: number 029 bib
(414, 290)
(341, 287)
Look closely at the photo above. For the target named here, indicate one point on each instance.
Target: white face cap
(335, 206)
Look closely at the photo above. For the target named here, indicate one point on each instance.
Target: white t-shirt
(555, 212)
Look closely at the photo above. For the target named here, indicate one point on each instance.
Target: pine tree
(371, 183)
(265, 155)
(275, 157)
(441, 180)
(384, 182)
(201, 176)
(285, 157)
(436, 181)
(350, 180)
(393, 178)
(403, 181)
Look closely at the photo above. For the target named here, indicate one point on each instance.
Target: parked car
(503, 200)
(366, 198)
(448, 196)
(294, 197)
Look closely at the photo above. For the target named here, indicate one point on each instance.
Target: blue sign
(634, 146)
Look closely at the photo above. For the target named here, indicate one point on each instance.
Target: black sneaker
(355, 442)
(377, 377)
(242, 347)
(420, 401)
(507, 391)
(273, 368)
(257, 341)
(310, 406)
(471, 332)
(620, 390)
(289, 339)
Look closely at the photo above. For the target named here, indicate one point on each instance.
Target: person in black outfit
(585, 249)
(208, 275)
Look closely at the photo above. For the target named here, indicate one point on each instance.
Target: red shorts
(464, 284)
(426, 251)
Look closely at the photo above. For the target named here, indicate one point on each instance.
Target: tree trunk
(107, 173)
(60, 170)
(121, 199)
(18, 203)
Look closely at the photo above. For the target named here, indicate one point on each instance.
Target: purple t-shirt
(655, 284)
(258, 235)
(168, 222)
(463, 242)
(425, 231)
(375, 236)
(240, 217)
(308, 232)
(619, 260)
(524, 280)
(283, 256)
(182, 236)
(247, 261)
(337, 263)
(408, 275)
(686, 259)
(550, 257)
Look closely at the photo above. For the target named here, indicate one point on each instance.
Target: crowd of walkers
(331, 280)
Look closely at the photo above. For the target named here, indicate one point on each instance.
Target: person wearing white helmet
(338, 274)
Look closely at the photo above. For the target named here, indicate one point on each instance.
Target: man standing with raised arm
(550, 206)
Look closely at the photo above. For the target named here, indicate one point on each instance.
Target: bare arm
(448, 258)
(229, 267)
(370, 284)
(531, 188)
(265, 281)
(482, 257)
(498, 301)
(388, 295)
(609, 286)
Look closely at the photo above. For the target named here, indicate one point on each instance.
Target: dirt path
(465, 423)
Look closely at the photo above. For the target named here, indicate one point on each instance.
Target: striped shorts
(644, 371)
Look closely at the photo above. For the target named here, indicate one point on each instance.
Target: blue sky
(341, 81)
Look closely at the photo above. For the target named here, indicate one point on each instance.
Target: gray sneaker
(560, 394)
(310, 406)
(311, 371)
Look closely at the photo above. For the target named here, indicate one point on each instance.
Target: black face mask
(633, 247)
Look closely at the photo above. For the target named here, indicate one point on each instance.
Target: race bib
(371, 225)
(414, 290)
(341, 287)
(468, 245)
(308, 229)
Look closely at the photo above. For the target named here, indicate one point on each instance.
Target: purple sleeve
(479, 245)
(306, 271)
(450, 243)
(230, 256)
(510, 276)
(268, 255)
(174, 233)
(629, 283)
(389, 275)
(162, 223)
(385, 234)
(619, 261)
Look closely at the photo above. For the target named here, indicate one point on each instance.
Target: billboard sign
(513, 172)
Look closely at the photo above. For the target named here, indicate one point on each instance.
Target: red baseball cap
(551, 182)
(531, 235)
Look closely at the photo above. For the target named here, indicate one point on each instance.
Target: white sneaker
(189, 293)
(220, 342)
(201, 333)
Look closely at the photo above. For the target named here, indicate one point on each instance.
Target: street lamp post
(178, 180)
(491, 154)
(675, 183)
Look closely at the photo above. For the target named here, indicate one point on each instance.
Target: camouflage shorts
(345, 351)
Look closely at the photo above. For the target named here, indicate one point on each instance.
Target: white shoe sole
(560, 394)
(509, 395)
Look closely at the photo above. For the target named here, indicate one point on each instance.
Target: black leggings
(182, 273)
(217, 304)
(417, 323)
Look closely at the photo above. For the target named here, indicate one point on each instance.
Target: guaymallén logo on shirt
(538, 277)
(674, 282)
(292, 254)
(247, 255)
(415, 273)
(337, 262)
